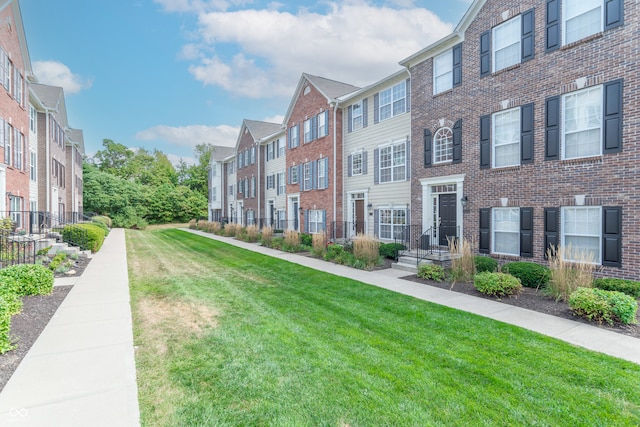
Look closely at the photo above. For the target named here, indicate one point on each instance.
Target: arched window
(443, 145)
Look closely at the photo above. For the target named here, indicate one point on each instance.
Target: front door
(359, 216)
(448, 220)
(295, 215)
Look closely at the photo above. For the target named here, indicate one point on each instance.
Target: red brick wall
(607, 180)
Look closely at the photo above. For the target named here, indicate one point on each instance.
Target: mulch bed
(532, 299)
(27, 326)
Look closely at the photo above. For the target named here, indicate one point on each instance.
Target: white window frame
(568, 14)
(18, 149)
(392, 101)
(443, 72)
(580, 231)
(509, 226)
(322, 125)
(322, 173)
(356, 163)
(315, 221)
(514, 140)
(281, 147)
(253, 186)
(214, 194)
(308, 132)
(356, 116)
(8, 139)
(295, 137)
(33, 119)
(33, 169)
(397, 220)
(15, 209)
(282, 189)
(390, 164)
(443, 145)
(587, 127)
(306, 176)
(295, 179)
(270, 151)
(511, 29)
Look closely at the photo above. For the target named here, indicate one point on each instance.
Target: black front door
(448, 220)
(359, 223)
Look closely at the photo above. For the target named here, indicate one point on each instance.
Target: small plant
(57, 260)
(497, 284)
(291, 241)
(252, 233)
(232, 229)
(43, 251)
(390, 250)
(463, 266)
(31, 279)
(366, 249)
(600, 305)
(431, 272)
(531, 275)
(319, 244)
(567, 277)
(628, 287)
(485, 263)
(267, 236)
(306, 239)
(214, 227)
(193, 224)
(333, 251)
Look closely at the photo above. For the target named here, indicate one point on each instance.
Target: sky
(170, 74)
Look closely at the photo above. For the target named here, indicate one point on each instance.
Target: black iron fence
(420, 243)
(16, 249)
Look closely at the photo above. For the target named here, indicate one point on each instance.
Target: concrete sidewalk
(580, 334)
(81, 370)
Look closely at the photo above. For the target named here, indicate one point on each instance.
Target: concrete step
(44, 243)
(408, 263)
(71, 250)
(57, 247)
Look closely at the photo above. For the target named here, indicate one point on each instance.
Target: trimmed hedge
(600, 305)
(431, 272)
(103, 219)
(390, 250)
(95, 236)
(497, 284)
(31, 279)
(628, 287)
(101, 225)
(531, 275)
(485, 263)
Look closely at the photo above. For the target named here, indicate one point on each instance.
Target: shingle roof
(330, 88)
(260, 130)
(220, 152)
(77, 136)
(52, 97)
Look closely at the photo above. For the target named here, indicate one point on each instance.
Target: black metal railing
(421, 243)
(16, 249)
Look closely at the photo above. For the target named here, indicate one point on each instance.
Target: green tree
(114, 158)
(196, 176)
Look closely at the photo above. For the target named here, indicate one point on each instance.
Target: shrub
(103, 219)
(31, 279)
(214, 227)
(253, 234)
(497, 284)
(57, 260)
(390, 250)
(600, 305)
(306, 239)
(485, 263)
(94, 236)
(291, 241)
(531, 275)
(366, 249)
(463, 266)
(232, 229)
(628, 287)
(566, 277)
(10, 292)
(5, 325)
(431, 272)
(267, 236)
(193, 224)
(319, 244)
(333, 251)
(102, 225)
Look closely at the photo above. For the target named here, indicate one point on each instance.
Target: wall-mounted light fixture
(369, 206)
(464, 201)
(9, 194)
(300, 210)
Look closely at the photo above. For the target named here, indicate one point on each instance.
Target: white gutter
(257, 144)
(335, 161)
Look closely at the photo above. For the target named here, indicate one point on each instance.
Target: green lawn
(225, 336)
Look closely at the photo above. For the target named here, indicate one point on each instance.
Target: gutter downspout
(48, 162)
(334, 103)
(259, 185)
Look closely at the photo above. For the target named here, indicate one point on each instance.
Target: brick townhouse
(314, 158)
(528, 114)
(15, 73)
(218, 182)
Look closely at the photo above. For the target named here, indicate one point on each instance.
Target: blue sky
(170, 74)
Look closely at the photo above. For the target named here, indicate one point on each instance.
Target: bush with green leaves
(103, 219)
(5, 325)
(76, 233)
(306, 239)
(497, 284)
(31, 279)
(431, 272)
(485, 263)
(628, 287)
(531, 275)
(600, 305)
(102, 225)
(10, 294)
(390, 250)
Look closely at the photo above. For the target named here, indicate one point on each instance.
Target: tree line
(139, 187)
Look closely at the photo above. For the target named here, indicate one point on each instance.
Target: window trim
(563, 235)
(518, 139)
(516, 233)
(392, 224)
(510, 21)
(565, 20)
(355, 116)
(449, 70)
(359, 155)
(392, 101)
(392, 166)
(449, 148)
(563, 130)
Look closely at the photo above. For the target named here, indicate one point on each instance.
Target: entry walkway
(81, 370)
(580, 334)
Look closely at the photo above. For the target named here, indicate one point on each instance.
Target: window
(316, 221)
(356, 163)
(230, 168)
(293, 171)
(506, 44)
(4, 68)
(252, 153)
(443, 72)
(214, 170)
(231, 190)
(391, 222)
(270, 151)
(214, 194)
(33, 119)
(308, 133)
(506, 138)
(323, 129)
(322, 173)
(280, 148)
(271, 182)
(356, 116)
(253, 186)
(294, 139)
(582, 123)
(506, 231)
(16, 210)
(443, 145)
(581, 19)
(240, 187)
(392, 164)
(581, 233)
(8, 137)
(281, 183)
(307, 182)
(18, 83)
(33, 166)
(251, 217)
(282, 219)
(392, 101)
(18, 143)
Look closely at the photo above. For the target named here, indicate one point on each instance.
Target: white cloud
(55, 73)
(278, 118)
(175, 160)
(190, 136)
(198, 5)
(353, 42)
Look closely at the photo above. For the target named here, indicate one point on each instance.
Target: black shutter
(612, 236)
(551, 230)
(526, 232)
(485, 53)
(457, 65)
(364, 163)
(526, 134)
(407, 94)
(376, 166)
(613, 116)
(485, 142)
(484, 245)
(427, 148)
(376, 215)
(552, 128)
(365, 113)
(376, 108)
(349, 118)
(457, 141)
(552, 25)
(528, 37)
(613, 13)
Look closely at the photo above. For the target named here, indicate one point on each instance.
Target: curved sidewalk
(580, 334)
(81, 369)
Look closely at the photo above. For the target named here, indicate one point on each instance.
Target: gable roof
(379, 84)
(76, 137)
(52, 98)
(450, 40)
(261, 130)
(219, 153)
(330, 89)
(22, 38)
